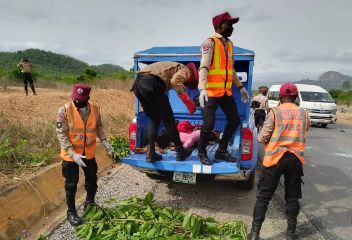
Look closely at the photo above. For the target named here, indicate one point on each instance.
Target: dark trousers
(291, 167)
(228, 106)
(151, 93)
(27, 78)
(259, 117)
(70, 170)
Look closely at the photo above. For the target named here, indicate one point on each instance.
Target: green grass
(23, 147)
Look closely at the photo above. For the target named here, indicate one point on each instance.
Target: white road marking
(347, 155)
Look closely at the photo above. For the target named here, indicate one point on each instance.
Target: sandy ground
(31, 109)
(344, 114)
(117, 108)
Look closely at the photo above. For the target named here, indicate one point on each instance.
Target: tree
(90, 72)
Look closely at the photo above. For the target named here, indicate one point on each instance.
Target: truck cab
(243, 145)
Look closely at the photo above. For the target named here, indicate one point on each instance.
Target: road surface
(327, 192)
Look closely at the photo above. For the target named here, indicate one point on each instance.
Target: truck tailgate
(190, 165)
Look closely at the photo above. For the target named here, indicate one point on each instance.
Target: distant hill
(52, 63)
(108, 68)
(328, 80)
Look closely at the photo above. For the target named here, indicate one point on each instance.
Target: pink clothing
(190, 139)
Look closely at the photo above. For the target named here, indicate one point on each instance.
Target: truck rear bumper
(242, 175)
(190, 165)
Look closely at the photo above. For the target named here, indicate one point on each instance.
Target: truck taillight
(132, 134)
(247, 144)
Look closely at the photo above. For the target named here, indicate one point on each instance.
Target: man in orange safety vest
(216, 76)
(284, 136)
(78, 124)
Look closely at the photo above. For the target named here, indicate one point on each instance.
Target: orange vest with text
(289, 134)
(219, 80)
(81, 135)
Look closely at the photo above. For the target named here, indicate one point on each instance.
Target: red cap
(217, 20)
(81, 92)
(288, 89)
(192, 82)
(185, 126)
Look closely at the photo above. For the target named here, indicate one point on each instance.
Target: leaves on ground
(141, 219)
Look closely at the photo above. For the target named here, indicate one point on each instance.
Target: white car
(320, 106)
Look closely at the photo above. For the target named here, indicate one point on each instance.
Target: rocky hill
(329, 80)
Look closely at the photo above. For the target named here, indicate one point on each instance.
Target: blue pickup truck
(243, 146)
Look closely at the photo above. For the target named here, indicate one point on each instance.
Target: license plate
(189, 178)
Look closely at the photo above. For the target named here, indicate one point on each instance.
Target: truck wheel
(324, 125)
(249, 184)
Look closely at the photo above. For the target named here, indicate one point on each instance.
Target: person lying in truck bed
(150, 88)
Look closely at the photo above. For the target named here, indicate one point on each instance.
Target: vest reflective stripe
(82, 136)
(289, 134)
(220, 73)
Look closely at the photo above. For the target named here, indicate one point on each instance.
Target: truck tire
(324, 125)
(249, 184)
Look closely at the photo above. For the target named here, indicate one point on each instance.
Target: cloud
(337, 56)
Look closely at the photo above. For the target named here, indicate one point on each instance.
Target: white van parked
(315, 100)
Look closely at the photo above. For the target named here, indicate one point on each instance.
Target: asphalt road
(327, 192)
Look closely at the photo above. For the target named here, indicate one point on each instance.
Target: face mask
(79, 104)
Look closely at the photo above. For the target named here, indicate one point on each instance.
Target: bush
(120, 146)
(20, 147)
(335, 93)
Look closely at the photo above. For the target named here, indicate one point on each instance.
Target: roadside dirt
(344, 114)
(31, 109)
(117, 108)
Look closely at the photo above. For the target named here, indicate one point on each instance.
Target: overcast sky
(291, 39)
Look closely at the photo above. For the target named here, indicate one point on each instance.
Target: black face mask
(79, 104)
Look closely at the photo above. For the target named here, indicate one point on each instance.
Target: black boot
(203, 157)
(182, 153)
(255, 231)
(152, 156)
(223, 154)
(73, 218)
(291, 230)
(26, 92)
(89, 200)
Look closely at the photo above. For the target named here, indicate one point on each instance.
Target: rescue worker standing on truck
(216, 76)
(77, 126)
(150, 88)
(260, 104)
(284, 136)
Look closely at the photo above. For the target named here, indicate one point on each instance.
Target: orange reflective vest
(220, 74)
(289, 134)
(81, 135)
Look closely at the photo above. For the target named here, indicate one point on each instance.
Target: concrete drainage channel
(37, 204)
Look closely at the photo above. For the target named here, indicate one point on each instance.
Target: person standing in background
(26, 70)
(261, 102)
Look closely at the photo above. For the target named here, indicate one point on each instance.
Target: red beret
(217, 20)
(192, 82)
(288, 89)
(81, 92)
